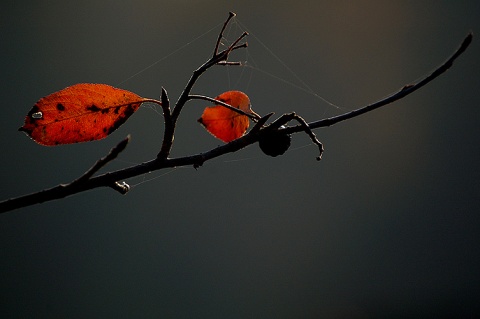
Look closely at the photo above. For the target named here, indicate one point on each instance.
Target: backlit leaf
(79, 113)
(223, 123)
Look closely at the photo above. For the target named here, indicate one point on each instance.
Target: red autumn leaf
(79, 113)
(223, 123)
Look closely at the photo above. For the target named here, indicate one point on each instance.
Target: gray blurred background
(386, 225)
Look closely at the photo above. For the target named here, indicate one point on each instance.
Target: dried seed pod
(274, 143)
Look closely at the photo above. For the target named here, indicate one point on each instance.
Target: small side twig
(235, 45)
(185, 96)
(253, 116)
(101, 163)
(220, 35)
(169, 130)
(216, 58)
(285, 118)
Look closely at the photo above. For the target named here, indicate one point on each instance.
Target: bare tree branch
(404, 91)
(111, 179)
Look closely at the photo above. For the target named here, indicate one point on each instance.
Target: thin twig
(285, 118)
(228, 63)
(184, 97)
(220, 35)
(122, 187)
(101, 162)
(404, 91)
(222, 56)
(169, 129)
(253, 116)
(235, 45)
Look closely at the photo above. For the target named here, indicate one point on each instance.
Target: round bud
(274, 143)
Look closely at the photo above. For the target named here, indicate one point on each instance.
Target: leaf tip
(26, 130)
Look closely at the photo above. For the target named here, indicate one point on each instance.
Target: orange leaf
(223, 123)
(79, 113)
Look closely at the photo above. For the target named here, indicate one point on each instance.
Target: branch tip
(164, 97)
(220, 35)
(468, 39)
(122, 145)
(165, 104)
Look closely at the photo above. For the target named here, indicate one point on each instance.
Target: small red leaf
(223, 123)
(79, 113)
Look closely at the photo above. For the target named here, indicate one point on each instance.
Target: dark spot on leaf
(60, 107)
(93, 108)
(105, 111)
(117, 109)
(128, 111)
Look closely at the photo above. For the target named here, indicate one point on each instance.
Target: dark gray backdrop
(387, 224)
